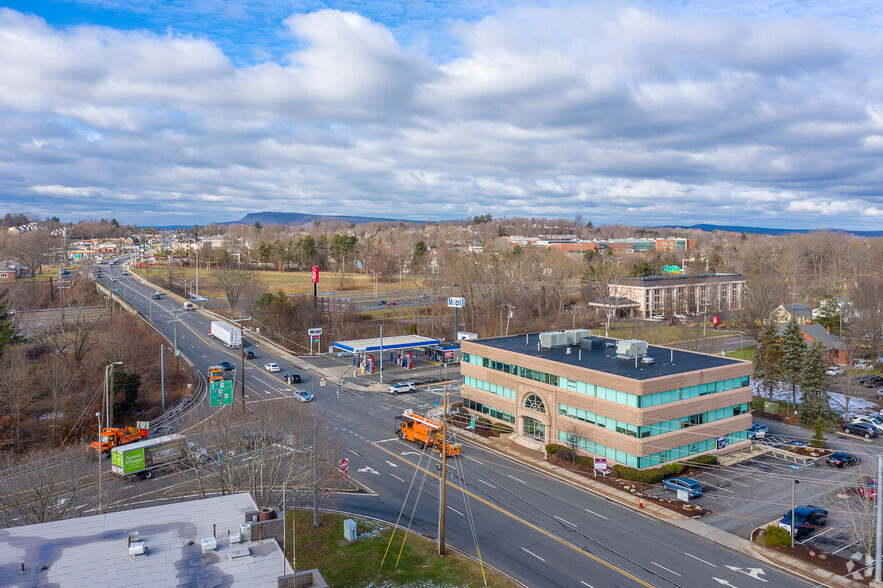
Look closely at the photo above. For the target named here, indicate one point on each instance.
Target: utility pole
(162, 374)
(879, 547)
(443, 480)
(315, 461)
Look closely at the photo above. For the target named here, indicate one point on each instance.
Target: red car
(868, 489)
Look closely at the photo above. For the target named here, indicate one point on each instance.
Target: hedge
(777, 536)
(584, 460)
(703, 460)
(674, 468)
(551, 448)
(648, 476)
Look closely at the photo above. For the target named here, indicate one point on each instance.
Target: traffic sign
(325, 493)
(221, 393)
(315, 274)
(344, 464)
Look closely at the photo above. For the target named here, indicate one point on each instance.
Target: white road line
(584, 584)
(532, 553)
(727, 479)
(398, 478)
(594, 513)
(563, 521)
(665, 568)
(486, 483)
(516, 479)
(699, 559)
(844, 547)
(384, 441)
(456, 511)
(816, 535)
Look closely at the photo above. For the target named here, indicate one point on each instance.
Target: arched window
(534, 402)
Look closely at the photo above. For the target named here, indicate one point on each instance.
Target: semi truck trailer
(229, 336)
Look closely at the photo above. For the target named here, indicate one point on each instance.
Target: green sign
(221, 393)
(471, 424)
(127, 461)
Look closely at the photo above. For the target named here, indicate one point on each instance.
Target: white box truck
(145, 456)
(230, 336)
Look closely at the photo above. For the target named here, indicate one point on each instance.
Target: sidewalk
(781, 560)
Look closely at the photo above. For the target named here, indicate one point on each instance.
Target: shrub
(483, 420)
(649, 476)
(777, 536)
(703, 460)
(674, 468)
(818, 438)
(456, 406)
(757, 403)
(565, 455)
(585, 460)
(553, 448)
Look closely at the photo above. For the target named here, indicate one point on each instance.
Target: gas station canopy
(389, 343)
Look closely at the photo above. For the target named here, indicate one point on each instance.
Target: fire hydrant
(641, 503)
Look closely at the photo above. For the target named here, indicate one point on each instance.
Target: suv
(402, 387)
(871, 381)
(691, 487)
(292, 378)
(249, 354)
(842, 459)
(806, 518)
(758, 431)
(868, 489)
(226, 365)
(864, 429)
(870, 420)
(834, 371)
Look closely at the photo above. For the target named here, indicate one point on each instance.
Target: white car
(272, 367)
(113, 279)
(870, 420)
(402, 387)
(303, 395)
(834, 371)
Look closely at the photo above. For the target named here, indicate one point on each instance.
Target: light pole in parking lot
(98, 455)
(794, 483)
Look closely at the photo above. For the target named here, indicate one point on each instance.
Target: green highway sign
(221, 393)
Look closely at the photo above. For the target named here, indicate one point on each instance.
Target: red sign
(315, 274)
(344, 464)
(715, 320)
(325, 493)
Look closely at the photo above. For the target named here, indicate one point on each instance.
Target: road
(538, 529)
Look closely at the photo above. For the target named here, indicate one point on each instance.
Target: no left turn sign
(344, 464)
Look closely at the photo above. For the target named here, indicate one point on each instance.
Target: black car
(226, 365)
(842, 459)
(292, 378)
(249, 354)
(871, 381)
(865, 430)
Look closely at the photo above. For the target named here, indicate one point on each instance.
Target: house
(835, 350)
(785, 312)
(13, 270)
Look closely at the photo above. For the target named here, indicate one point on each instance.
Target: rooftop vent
(239, 552)
(235, 537)
(648, 360)
(208, 544)
(137, 548)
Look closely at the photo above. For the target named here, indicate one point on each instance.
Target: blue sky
(751, 113)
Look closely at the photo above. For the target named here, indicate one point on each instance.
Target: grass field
(744, 353)
(359, 564)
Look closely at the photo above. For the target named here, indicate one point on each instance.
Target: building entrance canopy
(388, 343)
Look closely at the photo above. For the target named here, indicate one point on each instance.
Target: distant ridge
(297, 218)
(768, 231)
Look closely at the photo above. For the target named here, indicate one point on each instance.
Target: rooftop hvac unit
(553, 339)
(630, 348)
(245, 532)
(208, 544)
(239, 552)
(591, 343)
(137, 548)
(574, 336)
(235, 537)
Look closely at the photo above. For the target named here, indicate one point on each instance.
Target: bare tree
(574, 442)
(233, 282)
(51, 489)
(16, 390)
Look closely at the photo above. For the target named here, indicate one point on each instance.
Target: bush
(757, 403)
(649, 476)
(777, 536)
(553, 448)
(456, 406)
(674, 468)
(483, 420)
(703, 460)
(585, 460)
(565, 455)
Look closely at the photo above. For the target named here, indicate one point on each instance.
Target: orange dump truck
(424, 432)
(215, 374)
(111, 438)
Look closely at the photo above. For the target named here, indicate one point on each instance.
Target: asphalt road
(538, 529)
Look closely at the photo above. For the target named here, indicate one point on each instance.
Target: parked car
(161, 431)
(303, 395)
(292, 378)
(382, 303)
(879, 392)
(806, 518)
(875, 422)
(402, 387)
(156, 297)
(691, 487)
(868, 489)
(228, 367)
(842, 459)
(865, 430)
(331, 293)
(863, 364)
(249, 354)
(659, 317)
(272, 367)
(871, 381)
(834, 371)
(758, 431)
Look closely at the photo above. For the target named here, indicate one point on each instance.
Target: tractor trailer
(230, 336)
(144, 457)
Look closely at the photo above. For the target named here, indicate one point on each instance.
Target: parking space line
(719, 488)
(816, 535)
(727, 479)
(844, 547)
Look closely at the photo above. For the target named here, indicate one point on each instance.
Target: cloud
(620, 113)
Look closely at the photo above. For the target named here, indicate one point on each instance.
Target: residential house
(13, 270)
(785, 312)
(835, 350)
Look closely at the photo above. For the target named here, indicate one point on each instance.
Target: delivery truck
(144, 457)
(230, 336)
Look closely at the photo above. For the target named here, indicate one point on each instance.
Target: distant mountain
(297, 218)
(768, 231)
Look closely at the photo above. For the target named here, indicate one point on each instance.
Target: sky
(675, 111)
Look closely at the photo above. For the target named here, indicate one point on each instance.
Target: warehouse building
(626, 401)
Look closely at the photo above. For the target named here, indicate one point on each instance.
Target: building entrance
(534, 428)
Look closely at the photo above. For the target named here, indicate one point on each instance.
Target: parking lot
(757, 492)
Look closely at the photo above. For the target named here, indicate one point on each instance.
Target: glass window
(534, 402)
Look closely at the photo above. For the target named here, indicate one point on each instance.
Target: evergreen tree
(767, 358)
(420, 248)
(8, 332)
(815, 403)
(793, 349)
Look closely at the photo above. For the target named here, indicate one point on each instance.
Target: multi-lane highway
(540, 530)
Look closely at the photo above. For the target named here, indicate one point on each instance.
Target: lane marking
(397, 478)
(385, 441)
(532, 553)
(594, 513)
(456, 511)
(516, 479)
(699, 559)
(487, 484)
(565, 522)
(665, 568)
(584, 584)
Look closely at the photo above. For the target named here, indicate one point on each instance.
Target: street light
(108, 401)
(375, 282)
(98, 455)
(793, 522)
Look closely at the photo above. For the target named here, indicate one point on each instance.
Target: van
(189, 306)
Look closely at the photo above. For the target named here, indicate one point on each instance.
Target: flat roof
(605, 360)
(389, 343)
(647, 281)
(93, 550)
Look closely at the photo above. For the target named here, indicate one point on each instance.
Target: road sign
(344, 464)
(315, 331)
(715, 320)
(721, 442)
(471, 426)
(315, 274)
(456, 302)
(221, 393)
(325, 493)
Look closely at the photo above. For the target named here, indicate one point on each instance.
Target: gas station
(369, 355)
